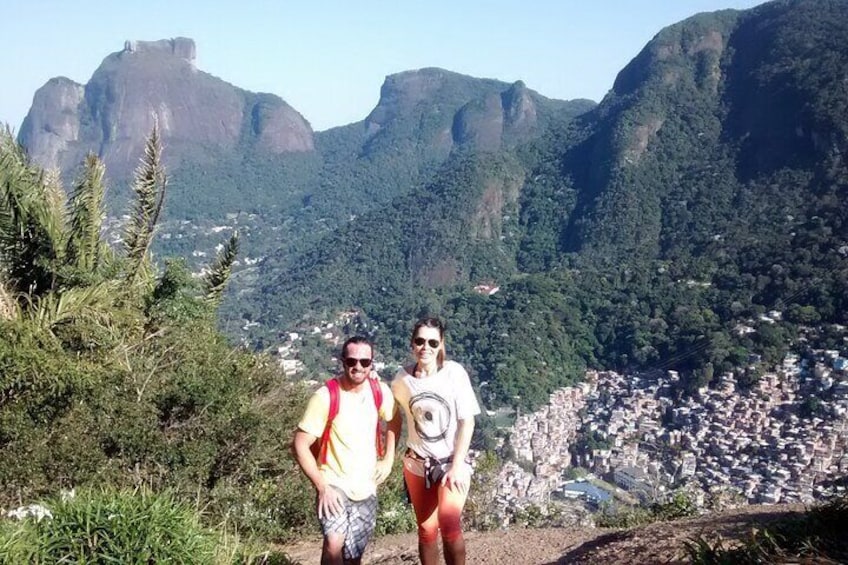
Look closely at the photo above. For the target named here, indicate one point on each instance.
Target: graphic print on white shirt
(432, 416)
(433, 407)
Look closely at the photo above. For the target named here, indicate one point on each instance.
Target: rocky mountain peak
(462, 110)
(199, 115)
(696, 43)
(55, 114)
(181, 47)
(519, 110)
(401, 94)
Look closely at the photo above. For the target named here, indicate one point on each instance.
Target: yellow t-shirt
(352, 449)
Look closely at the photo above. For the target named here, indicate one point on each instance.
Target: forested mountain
(199, 114)
(234, 154)
(705, 190)
(693, 220)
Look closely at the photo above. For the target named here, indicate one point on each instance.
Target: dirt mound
(654, 543)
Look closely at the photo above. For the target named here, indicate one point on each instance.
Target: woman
(439, 408)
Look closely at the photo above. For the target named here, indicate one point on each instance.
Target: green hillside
(704, 191)
(296, 198)
(116, 384)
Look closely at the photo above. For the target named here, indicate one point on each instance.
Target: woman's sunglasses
(352, 361)
(420, 341)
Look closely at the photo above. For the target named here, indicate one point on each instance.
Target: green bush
(395, 513)
(110, 527)
(818, 536)
(620, 516)
(679, 505)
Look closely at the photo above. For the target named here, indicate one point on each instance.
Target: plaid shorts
(356, 522)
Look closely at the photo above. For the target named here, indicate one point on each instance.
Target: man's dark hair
(356, 339)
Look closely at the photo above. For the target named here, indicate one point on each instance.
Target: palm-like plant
(149, 188)
(31, 226)
(219, 272)
(52, 257)
(54, 265)
(85, 249)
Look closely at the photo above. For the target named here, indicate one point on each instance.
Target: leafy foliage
(649, 233)
(85, 248)
(102, 527)
(217, 277)
(816, 536)
(149, 190)
(130, 386)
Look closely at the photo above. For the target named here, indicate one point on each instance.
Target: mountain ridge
(654, 186)
(156, 78)
(599, 212)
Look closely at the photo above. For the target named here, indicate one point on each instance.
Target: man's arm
(328, 499)
(384, 466)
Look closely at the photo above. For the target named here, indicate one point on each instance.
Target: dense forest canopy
(643, 232)
(703, 192)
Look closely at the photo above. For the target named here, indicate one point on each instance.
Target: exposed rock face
(498, 195)
(402, 92)
(181, 47)
(54, 115)
(450, 110)
(278, 127)
(520, 111)
(480, 123)
(198, 114)
(498, 119)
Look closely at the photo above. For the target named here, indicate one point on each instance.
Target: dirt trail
(655, 543)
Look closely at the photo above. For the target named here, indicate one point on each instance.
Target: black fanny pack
(434, 469)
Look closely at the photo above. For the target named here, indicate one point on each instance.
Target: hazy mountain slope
(198, 113)
(704, 122)
(652, 224)
(247, 160)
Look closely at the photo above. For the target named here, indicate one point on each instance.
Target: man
(347, 472)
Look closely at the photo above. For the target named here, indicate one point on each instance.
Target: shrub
(680, 505)
(110, 527)
(818, 536)
(395, 513)
(620, 516)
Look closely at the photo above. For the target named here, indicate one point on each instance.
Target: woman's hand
(458, 478)
(384, 467)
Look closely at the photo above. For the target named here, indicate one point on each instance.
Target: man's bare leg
(332, 550)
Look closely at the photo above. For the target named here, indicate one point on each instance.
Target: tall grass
(818, 536)
(110, 527)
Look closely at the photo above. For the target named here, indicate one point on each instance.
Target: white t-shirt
(433, 405)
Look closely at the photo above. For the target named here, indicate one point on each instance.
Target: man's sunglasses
(352, 361)
(419, 341)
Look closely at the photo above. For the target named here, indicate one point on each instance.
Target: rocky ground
(655, 543)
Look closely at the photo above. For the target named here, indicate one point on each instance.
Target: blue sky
(327, 58)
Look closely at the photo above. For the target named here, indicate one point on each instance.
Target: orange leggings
(436, 508)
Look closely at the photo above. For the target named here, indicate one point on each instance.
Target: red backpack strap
(377, 391)
(333, 388)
